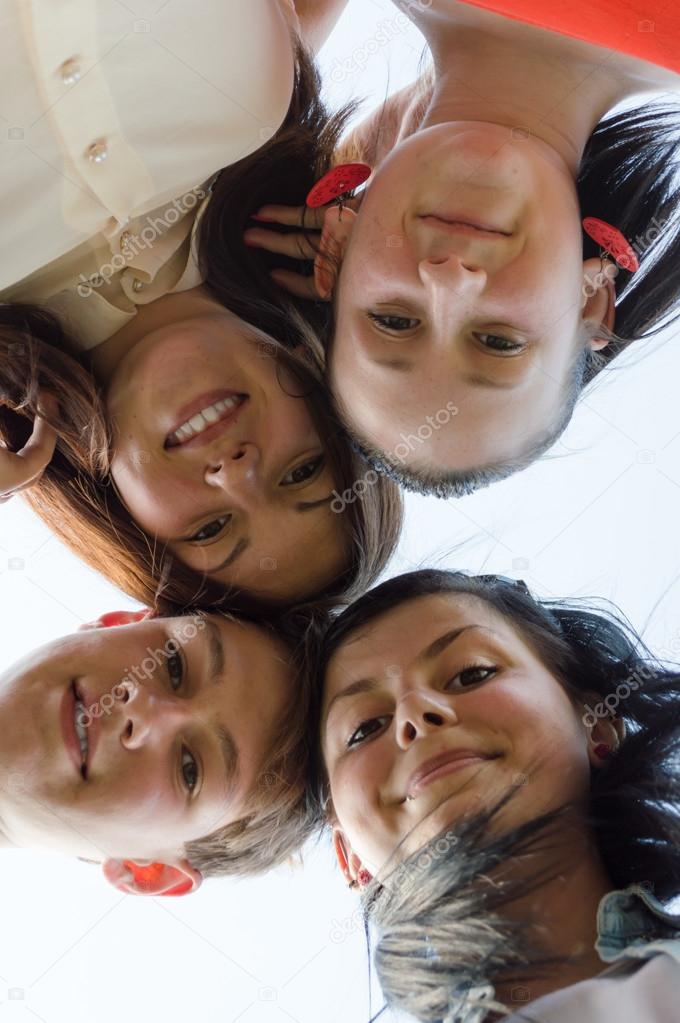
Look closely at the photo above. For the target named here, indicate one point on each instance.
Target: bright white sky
(599, 518)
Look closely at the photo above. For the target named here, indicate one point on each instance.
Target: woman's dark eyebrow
(236, 553)
(369, 685)
(303, 506)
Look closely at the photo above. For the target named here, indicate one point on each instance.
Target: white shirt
(115, 124)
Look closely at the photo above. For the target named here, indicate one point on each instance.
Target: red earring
(150, 876)
(337, 184)
(612, 242)
(364, 877)
(602, 750)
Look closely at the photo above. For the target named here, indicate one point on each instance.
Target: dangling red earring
(337, 184)
(612, 242)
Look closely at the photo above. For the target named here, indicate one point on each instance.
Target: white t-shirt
(114, 125)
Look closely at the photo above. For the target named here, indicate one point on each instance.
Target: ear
(599, 297)
(152, 878)
(113, 618)
(611, 732)
(337, 227)
(353, 870)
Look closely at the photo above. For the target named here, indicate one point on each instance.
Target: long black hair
(439, 930)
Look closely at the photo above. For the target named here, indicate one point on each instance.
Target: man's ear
(337, 227)
(113, 618)
(599, 298)
(348, 861)
(152, 878)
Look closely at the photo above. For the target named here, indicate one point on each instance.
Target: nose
(450, 272)
(146, 714)
(237, 472)
(419, 713)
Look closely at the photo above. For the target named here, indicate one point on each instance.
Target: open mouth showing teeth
(204, 419)
(79, 718)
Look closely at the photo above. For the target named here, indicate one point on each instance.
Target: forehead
(399, 635)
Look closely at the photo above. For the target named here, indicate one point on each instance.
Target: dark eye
(189, 770)
(175, 665)
(394, 323)
(211, 530)
(365, 730)
(474, 675)
(304, 472)
(499, 344)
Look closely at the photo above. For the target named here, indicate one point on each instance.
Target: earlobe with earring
(338, 184)
(612, 242)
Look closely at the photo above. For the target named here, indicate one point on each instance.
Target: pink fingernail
(256, 216)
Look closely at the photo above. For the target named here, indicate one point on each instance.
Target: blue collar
(631, 918)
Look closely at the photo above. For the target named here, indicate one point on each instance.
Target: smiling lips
(79, 737)
(208, 415)
(465, 225)
(438, 767)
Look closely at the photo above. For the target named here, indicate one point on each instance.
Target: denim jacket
(632, 926)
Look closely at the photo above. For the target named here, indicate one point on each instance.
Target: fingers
(296, 284)
(291, 216)
(298, 246)
(21, 469)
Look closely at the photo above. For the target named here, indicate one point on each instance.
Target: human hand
(302, 245)
(20, 470)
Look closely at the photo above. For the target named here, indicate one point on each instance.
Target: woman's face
(441, 677)
(461, 285)
(216, 456)
(179, 716)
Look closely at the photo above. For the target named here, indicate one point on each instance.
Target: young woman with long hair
(198, 453)
(502, 778)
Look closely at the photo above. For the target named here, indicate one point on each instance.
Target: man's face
(176, 716)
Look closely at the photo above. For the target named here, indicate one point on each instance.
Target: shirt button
(125, 239)
(137, 285)
(70, 71)
(98, 151)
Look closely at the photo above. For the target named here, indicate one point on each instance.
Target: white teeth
(81, 729)
(202, 420)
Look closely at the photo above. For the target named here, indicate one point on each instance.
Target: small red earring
(338, 183)
(364, 878)
(612, 242)
(602, 750)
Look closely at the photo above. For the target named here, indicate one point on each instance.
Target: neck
(509, 74)
(563, 916)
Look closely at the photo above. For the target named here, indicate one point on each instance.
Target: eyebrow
(216, 651)
(229, 756)
(224, 737)
(303, 506)
(236, 553)
(482, 381)
(428, 653)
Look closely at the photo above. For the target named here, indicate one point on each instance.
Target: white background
(598, 517)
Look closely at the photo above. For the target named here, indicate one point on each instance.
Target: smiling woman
(172, 494)
(226, 516)
(467, 765)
